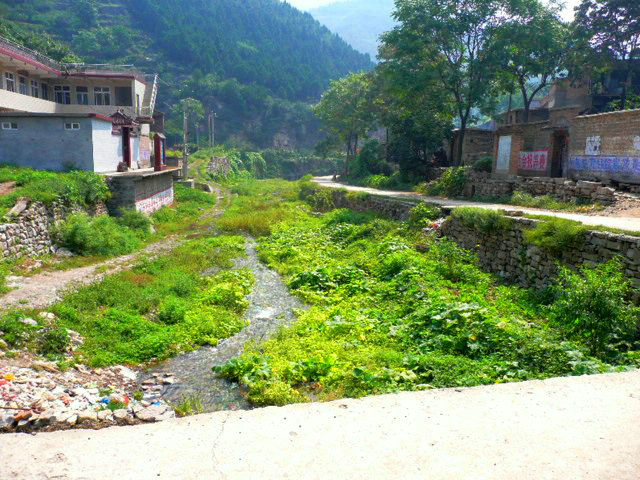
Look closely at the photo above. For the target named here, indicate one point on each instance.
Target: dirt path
(579, 428)
(623, 222)
(45, 289)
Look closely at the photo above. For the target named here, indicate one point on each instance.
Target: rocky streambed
(271, 307)
(36, 395)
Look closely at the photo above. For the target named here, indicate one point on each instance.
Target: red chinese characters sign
(534, 161)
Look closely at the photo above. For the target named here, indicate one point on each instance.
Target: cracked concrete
(579, 428)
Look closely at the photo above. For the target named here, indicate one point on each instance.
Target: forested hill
(243, 56)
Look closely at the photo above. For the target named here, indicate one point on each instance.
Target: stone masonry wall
(29, 233)
(486, 185)
(393, 208)
(507, 254)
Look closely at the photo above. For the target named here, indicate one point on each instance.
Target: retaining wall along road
(507, 253)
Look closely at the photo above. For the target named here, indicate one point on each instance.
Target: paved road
(625, 223)
(581, 428)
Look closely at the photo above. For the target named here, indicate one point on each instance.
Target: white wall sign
(636, 143)
(593, 146)
(504, 154)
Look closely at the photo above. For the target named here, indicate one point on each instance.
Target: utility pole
(185, 140)
(212, 128)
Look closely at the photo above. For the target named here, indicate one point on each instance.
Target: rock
(87, 416)
(63, 252)
(5, 422)
(29, 321)
(46, 366)
(127, 373)
(169, 381)
(21, 206)
(105, 415)
(120, 414)
(47, 316)
(3, 345)
(72, 420)
(23, 415)
(150, 414)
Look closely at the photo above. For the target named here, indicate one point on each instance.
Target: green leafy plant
(451, 184)
(593, 306)
(423, 215)
(556, 235)
(484, 164)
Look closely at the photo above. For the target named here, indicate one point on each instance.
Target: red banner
(535, 161)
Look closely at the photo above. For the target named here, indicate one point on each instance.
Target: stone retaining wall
(486, 185)
(393, 208)
(507, 253)
(29, 233)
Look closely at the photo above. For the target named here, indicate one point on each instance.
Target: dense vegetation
(159, 307)
(255, 62)
(392, 309)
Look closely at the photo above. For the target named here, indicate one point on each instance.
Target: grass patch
(556, 235)
(450, 184)
(134, 316)
(482, 219)
(385, 317)
(543, 202)
(82, 188)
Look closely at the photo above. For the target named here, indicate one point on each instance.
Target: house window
(62, 94)
(10, 82)
(9, 126)
(138, 104)
(24, 90)
(102, 95)
(82, 95)
(72, 126)
(45, 91)
(35, 89)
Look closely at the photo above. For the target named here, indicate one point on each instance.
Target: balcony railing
(24, 52)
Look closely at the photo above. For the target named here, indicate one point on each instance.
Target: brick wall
(606, 147)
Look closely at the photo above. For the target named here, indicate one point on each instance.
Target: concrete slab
(581, 428)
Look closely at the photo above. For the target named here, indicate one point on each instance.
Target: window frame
(44, 91)
(10, 78)
(71, 126)
(9, 126)
(102, 96)
(82, 92)
(23, 85)
(35, 88)
(65, 94)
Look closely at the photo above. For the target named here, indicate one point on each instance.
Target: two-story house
(56, 116)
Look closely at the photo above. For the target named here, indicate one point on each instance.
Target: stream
(271, 306)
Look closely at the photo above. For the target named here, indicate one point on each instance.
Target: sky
(308, 4)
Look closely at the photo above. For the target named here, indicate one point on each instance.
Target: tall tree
(347, 110)
(451, 42)
(531, 50)
(612, 29)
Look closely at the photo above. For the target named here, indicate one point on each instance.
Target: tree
(193, 108)
(612, 29)
(450, 42)
(347, 111)
(531, 50)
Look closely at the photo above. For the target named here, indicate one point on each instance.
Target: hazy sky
(307, 4)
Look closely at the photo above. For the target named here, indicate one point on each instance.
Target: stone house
(478, 144)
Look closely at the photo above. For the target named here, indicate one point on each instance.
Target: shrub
(322, 200)
(135, 220)
(172, 310)
(101, 235)
(482, 219)
(422, 215)
(556, 235)
(593, 306)
(483, 165)
(53, 341)
(450, 184)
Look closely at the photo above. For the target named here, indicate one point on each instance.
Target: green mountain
(257, 63)
(359, 22)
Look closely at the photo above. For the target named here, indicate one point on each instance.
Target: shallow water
(271, 306)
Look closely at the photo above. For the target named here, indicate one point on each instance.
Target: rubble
(37, 396)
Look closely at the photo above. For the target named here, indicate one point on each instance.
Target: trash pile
(37, 396)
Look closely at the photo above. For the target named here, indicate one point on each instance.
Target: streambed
(271, 306)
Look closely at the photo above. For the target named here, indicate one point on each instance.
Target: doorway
(560, 145)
